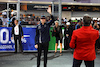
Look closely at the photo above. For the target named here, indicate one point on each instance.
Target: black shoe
(22, 52)
(55, 53)
(15, 52)
(60, 54)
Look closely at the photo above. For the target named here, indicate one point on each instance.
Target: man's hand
(36, 46)
(67, 35)
(22, 37)
(12, 38)
(98, 26)
(49, 10)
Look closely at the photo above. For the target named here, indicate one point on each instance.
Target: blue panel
(6, 44)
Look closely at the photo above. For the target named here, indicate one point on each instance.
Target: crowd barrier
(7, 44)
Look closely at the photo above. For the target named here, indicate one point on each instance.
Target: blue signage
(7, 44)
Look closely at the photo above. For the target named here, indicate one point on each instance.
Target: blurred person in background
(17, 32)
(81, 21)
(35, 22)
(57, 32)
(13, 17)
(31, 21)
(21, 21)
(92, 22)
(65, 20)
(96, 26)
(78, 25)
(26, 19)
(75, 21)
(83, 41)
(67, 33)
(98, 23)
(26, 22)
(1, 22)
(4, 19)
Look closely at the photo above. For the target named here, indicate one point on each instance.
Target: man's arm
(36, 36)
(73, 40)
(21, 30)
(12, 31)
(51, 21)
(51, 16)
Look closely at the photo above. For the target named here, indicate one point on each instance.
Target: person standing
(83, 41)
(96, 26)
(42, 37)
(68, 30)
(4, 19)
(65, 20)
(57, 32)
(78, 25)
(13, 15)
(17, 32)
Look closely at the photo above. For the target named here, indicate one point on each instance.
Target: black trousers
(57, 39)
(66, 43)
(42, 46)
(98, 43)
(17, 37)
(77, 63)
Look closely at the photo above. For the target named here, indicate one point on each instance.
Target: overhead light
(30, 1)
(52, 2)
(91, 3)
(71, 3)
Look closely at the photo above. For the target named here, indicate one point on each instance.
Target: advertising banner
(7, 44)
(28, 42)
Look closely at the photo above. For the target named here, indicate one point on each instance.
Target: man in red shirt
(83, 41)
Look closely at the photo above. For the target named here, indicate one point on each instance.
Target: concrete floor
(30, 60)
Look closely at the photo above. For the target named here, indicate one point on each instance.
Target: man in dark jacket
(42, 37)
(68, 30)
(17, 31)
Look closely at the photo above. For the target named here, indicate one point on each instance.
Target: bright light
(71, 3)
(30, 1)
(91, 3)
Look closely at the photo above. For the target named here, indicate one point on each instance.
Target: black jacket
(13, 19)
(42, 32)
(57, 32)
(20, 31)
(68, 31)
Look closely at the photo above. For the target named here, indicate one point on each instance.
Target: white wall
(66, 14)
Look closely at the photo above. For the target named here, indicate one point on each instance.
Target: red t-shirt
(83, 40)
